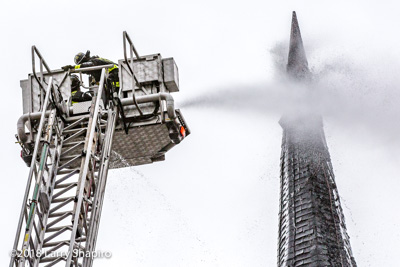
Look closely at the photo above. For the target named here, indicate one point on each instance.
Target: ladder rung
(68, 163)
(59, 214)
(73, 119)
(59, 232)
(68, 157)
(72, 143)
(62, 191)
(66, 242)
(55, 229)
(69, 131)
(59, 219)
(32, 245)
(68, 200)
(36, 229)
(64, 185)
(74, 124)
(71, 137)
(61, 199)
(56, 246)
(40, 215)
(54, 260)
(72, 147)
(68, 173)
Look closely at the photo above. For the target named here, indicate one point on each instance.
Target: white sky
(214, 201)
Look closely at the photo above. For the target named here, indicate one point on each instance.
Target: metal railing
(129, 63)
(36, 52)
(41, 81)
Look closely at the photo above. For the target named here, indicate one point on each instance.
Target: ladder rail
(36, 199)
(84, 170)
(31, 171)
(51, 182)
(100, 189)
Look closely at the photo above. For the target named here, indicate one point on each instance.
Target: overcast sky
(214, 201)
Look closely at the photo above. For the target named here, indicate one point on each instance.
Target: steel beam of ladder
(62, 219)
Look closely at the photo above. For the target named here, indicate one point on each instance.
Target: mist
(347, 89)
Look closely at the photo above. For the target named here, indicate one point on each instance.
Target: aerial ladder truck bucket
(70, 148)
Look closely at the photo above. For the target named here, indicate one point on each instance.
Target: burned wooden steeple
(312, 229)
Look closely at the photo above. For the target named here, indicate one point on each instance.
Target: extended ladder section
(69, 148)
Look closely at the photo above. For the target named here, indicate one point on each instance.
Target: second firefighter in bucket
(76, 94)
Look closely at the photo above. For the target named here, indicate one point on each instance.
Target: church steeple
(312, 230)
(297, 61)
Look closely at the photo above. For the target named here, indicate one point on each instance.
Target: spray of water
(348, 89)
(121, 162)
(148, 205)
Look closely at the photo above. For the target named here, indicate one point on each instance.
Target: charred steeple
(312, 229)
(297, 61)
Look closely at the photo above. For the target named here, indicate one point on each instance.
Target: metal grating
(142, 145)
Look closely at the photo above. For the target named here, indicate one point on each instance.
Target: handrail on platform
(36, 52)
(40, 81)
(129, 63)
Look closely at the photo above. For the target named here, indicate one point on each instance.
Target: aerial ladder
(71, 147)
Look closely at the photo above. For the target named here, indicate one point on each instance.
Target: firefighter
(84, 60)
(76, 93)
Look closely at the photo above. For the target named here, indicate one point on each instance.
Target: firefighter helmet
(75, 82)
(81, 57)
